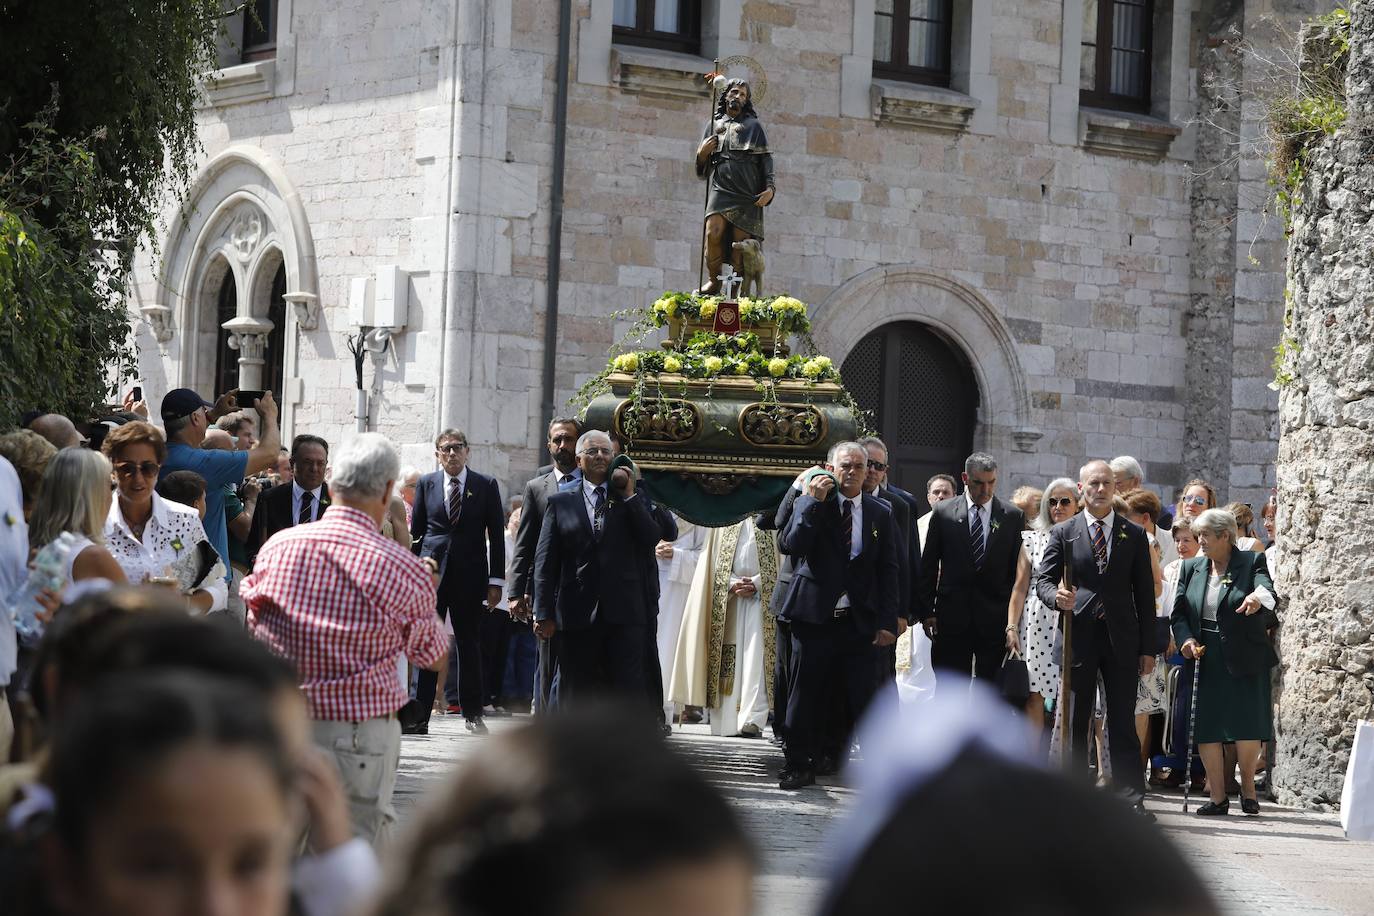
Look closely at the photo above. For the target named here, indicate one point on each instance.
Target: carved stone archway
(894, 293)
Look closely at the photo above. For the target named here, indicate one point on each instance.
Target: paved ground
(1286, 862)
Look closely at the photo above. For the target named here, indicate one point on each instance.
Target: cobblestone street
(1285, 862)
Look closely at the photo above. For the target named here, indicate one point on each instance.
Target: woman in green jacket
(1223, 609)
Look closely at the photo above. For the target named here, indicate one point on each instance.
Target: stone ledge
(1120, 134)
(250, 82)
(660, 74)
(923, 107)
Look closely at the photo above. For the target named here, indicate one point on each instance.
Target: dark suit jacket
(1126, 591)
(537, 493)
(574, 573)
(477, 546)
(905, 528)
(273, 514)
(959, 597)
(822, 570)
(1245, 646)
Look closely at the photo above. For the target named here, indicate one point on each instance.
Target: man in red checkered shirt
(347, 606)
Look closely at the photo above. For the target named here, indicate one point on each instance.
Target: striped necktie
(975, 534)
(455, 502)
(599, 512)
(306, 516)
(1099, 547)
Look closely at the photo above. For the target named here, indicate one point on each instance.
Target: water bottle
(49, 571)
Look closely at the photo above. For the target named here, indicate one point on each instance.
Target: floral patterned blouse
(172, 530)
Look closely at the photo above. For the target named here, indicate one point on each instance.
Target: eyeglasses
(1061, 502)
(1195, 500)
(452, 449)
(128, 469)
(595, 450)
(877, 465)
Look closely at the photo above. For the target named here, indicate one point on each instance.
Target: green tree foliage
(97, 126)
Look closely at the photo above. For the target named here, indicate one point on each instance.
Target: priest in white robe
(725, 653)
(677, 563)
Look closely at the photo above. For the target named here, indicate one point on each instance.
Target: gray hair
(979, 461)
(1215, 522)
(1125, 464)
(847, 446)
(868, 441)
(407, 471)
(176, 425)
(76, 497)
(1042, 521)
(586, 438)
(364, 466)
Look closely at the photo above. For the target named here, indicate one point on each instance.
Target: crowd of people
(218, 611)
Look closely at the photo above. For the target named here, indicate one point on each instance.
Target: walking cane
(701, 267)
(1198, 650)
(1065, 678)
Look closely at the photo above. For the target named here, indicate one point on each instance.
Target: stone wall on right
(1325, 558)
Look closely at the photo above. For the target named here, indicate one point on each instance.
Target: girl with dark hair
(547, 822)
(189, 807)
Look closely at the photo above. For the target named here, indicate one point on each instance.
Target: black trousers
(783, 675)
(544, 674)
(1119, 680)
(653, 668)
(605, 658)
(467, 635)
(495, 643)
(968, 652)
(821, 651)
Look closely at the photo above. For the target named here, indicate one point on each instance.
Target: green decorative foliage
(97, 127)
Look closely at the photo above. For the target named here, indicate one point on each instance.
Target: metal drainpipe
(560, 148)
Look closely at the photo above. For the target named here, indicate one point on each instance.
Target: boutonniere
(177, 545)
(875, 534)
(10, 519)
(1226, 581)
(996, 523)
(1121, 535)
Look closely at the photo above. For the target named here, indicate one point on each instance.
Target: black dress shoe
(1213, 809)
(796, 779)
(415, 728)
(665, 729)
(1139, 809)
(1249, 806)
(477, 727)
(826, 766)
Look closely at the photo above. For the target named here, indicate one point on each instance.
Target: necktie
(599, 512)
(306, 516)
(975, 534)
(455, 501)
(847, 526)
(1099, 547)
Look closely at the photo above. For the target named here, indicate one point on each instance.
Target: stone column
(249, 337)
(1325, 565)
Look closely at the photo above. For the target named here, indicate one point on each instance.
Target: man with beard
(564, 472)
(735, 161)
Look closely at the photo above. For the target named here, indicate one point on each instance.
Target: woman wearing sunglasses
(148, 535)
(1198, 496)
(1030, 624)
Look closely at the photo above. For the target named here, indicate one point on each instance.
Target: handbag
(1013, 678)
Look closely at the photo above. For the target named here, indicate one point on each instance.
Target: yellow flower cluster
(713, 364)
(777, 367)
(626, 362)
(816, 366)
(784, 304)
(666, 306)
(708, 307)
(672, 364)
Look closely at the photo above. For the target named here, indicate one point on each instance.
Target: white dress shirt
(1108, 523)
(172, 529)
(984, 516)
(296, 491)
(856, 526)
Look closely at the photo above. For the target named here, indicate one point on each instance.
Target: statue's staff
(717, 80)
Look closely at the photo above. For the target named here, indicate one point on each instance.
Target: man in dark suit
(589, 574)
(968, 568)
(302, 500)
(458, 520)
(563, 473)
(1111, 591)
(841, 603)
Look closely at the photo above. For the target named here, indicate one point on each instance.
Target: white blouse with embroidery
(172, 530)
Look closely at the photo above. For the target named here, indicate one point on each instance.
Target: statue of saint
(734, 159)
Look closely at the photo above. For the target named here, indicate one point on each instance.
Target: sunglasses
(1059, 502)
(128, 469)
(452, 449)
(595, 450)
(876, 465)
(1195, 500)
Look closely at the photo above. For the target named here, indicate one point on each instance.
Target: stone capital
(249, 337)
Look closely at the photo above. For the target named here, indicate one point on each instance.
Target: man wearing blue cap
(186, 416)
